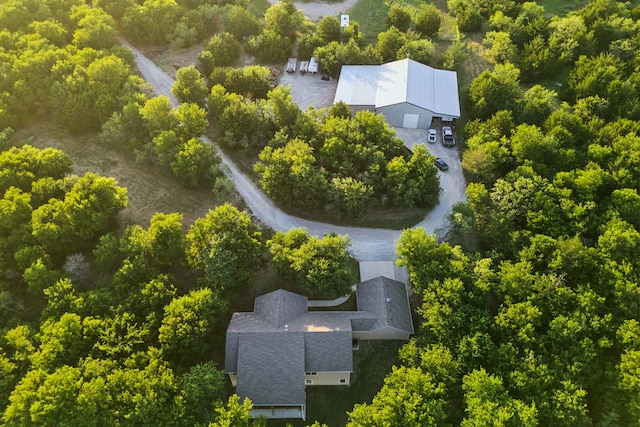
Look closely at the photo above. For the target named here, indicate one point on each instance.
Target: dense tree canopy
(320, 267)
(535, 312)
(533, 321)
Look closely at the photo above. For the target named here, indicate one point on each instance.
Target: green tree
(351, 197)
(61, 342)
(284, 111)
(243, 124)
(537, 103)
(166, 146)
(166, 239)
(421, 50)
(196, 164)
(428, 20)
(203, 389)
(271, 47)
(221, 51)
(95, 28)
(283, 19)
(87, 211)
(495, 90)
(500, 48)
(400, 17)
(329, 29)
(319, 266)
(570, 37)
(537, 61)
(408, 397)
(308, 42)
(389, 43)
(468, 18)
(488, 403)
(251, 81)
(455, 56)
(240, 22)
(189, 86)
(290, 176)
(328, 59)
(235, 414)
(227, 245)
(188, 325)
(158, 116)
(192, 121)
(427, 259)
(149, 20)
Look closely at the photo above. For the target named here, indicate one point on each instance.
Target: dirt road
(368, 244)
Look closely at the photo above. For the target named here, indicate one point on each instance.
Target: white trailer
(313, 65)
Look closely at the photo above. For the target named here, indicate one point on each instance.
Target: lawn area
(561, 7)
(371, 15)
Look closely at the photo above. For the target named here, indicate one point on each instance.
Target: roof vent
(388, 299)
(286, 328)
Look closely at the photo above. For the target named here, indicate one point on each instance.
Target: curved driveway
(368, 244)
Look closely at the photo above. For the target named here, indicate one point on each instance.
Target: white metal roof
(399, 82)
(357, 85)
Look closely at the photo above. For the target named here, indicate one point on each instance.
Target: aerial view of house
(281, 347)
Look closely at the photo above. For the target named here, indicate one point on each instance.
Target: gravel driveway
(368, 244)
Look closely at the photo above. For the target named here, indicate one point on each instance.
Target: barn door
(410, 121)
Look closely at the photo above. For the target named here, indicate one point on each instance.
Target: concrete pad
(373, 269)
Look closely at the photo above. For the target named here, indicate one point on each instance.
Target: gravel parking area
(309, 89)
(317, 9)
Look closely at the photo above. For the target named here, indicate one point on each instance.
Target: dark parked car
(441, 164)
(447, 137)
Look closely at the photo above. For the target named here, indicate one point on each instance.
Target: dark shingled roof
(387, 300)
(271, 348)
(271, 368)
(328, 352)
(280, 307)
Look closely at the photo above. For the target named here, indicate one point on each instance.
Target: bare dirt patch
(170, 59)
(150, 189)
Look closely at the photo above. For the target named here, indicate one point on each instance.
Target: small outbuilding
(409, 94)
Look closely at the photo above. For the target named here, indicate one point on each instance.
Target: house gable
(271, 369)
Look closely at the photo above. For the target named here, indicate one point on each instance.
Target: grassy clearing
(371, 15)
(150, 189)
(561, 7)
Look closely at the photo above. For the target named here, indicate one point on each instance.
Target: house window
(308, 381)
(311, 373)
(355, 344)
(343, 381)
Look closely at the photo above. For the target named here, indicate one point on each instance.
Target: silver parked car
(448, 139)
